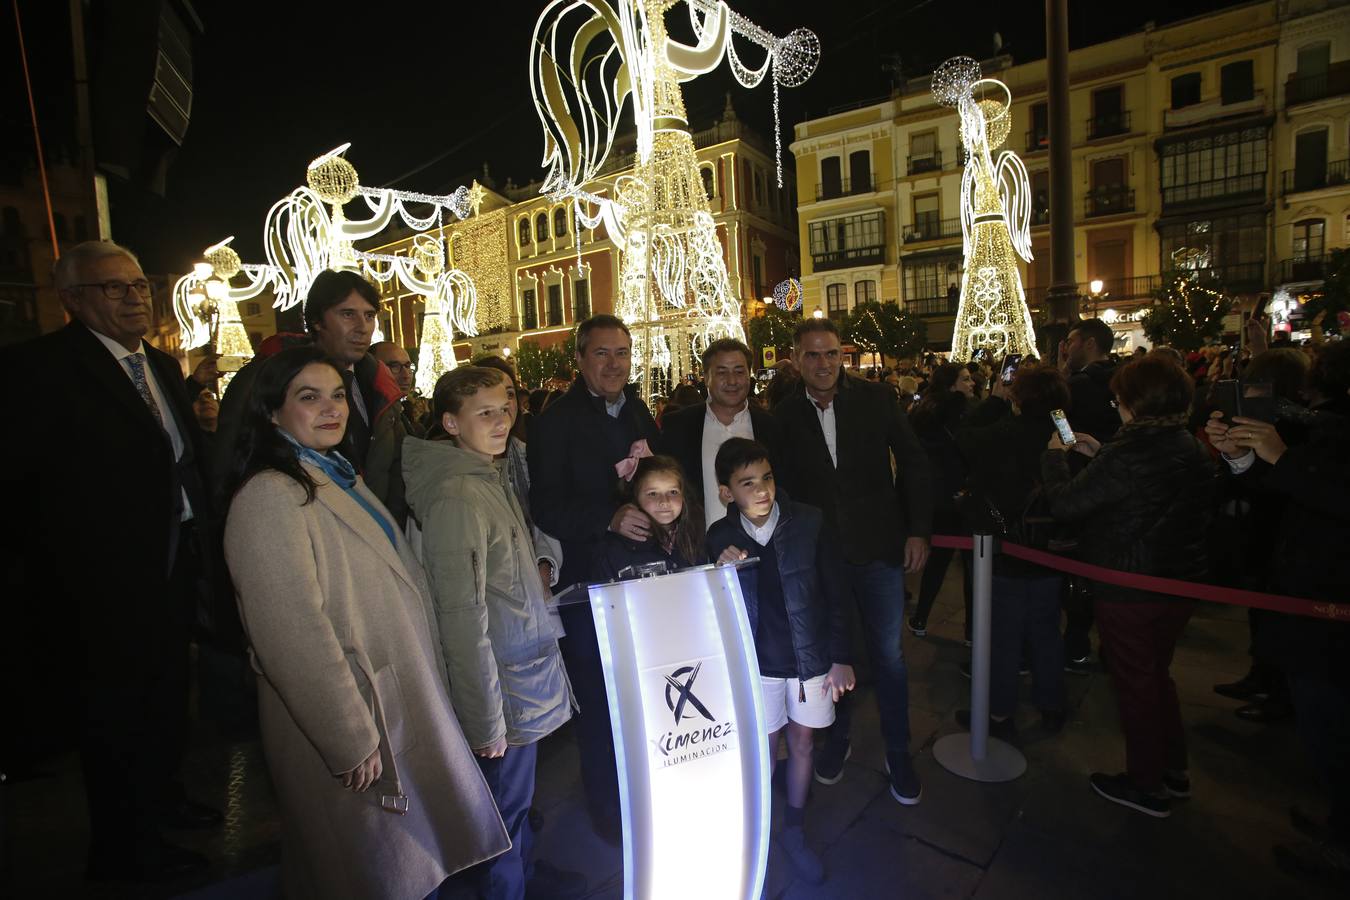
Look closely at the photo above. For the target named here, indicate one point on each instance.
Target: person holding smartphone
(1142, 504)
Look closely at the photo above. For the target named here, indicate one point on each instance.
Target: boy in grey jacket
(505, 673)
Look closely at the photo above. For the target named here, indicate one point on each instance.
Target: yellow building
(536, 277)
(1179, 138)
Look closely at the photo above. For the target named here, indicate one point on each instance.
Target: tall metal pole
(1063, 294)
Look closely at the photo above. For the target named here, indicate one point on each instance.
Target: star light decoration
(591, 58)
(995, 216)
(308, 231)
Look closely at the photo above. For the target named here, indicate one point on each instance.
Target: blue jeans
(878, 588)
(511, 780)
(1026, 614)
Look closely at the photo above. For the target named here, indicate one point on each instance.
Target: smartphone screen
(1062, 425)
(1225, 399)
(1258, 401)
(1010, 364)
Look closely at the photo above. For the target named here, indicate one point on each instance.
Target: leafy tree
(1332, 303)
(773, 329)
(536, 365)
(884, 328)
(1186, 314)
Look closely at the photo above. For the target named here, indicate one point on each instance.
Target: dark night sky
(439, 88)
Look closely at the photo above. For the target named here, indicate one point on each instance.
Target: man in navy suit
(108, 521)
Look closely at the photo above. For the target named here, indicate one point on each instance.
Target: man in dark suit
(573, 447)
(838, 436)
(694, 434)
(107, 483)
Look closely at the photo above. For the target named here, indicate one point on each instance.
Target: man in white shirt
(108, 479)
(694, 434)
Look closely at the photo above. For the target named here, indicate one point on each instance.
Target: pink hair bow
(628, 465)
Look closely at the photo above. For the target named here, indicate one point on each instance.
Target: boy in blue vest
(797, 618)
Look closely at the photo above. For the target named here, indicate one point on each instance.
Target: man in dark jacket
(1314, 530)
(693, 434)
(573, 448)
(1085, 356)
(108, 530)
(340, 313)
(838, 437)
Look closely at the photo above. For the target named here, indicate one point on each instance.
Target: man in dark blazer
(574, 496)
(839, 434)
(694, 434)
(108, 516)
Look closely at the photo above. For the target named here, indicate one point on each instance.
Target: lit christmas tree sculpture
(995, 216)
(590, 58)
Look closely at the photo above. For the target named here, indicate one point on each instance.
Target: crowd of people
(392, 560)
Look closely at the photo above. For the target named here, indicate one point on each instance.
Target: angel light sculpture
(308, 231)
(995, 216)
(590, 58)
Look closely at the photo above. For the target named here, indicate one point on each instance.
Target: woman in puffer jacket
(1142, 505)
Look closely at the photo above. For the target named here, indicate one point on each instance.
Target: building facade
(1215, 144)
(538, 271)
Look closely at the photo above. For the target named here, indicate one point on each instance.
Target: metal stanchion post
(978, 756)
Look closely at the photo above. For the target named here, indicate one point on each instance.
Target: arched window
(541, 227)
(560, 222)
(706, 173)
(524, 229)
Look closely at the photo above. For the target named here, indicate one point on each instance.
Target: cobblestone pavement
(1045, 834)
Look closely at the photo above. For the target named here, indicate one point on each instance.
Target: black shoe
(1248, 687)
(1177, 785)
(551, 883)
(1005, 730)
(189, 814)
(905, 786)
(1328, 863)
(162, 862)
(1307, 826)
(1078, 665)
(1052, 720)
(919, 627)
(830, 759)
(792, 841)
(1274, 709)
(1120, 789)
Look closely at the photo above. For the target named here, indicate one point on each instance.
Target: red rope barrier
(1299, 606)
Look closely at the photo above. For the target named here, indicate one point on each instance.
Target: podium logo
(687, 741)
(683, 694)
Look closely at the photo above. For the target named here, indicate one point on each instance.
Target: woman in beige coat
(380, 795)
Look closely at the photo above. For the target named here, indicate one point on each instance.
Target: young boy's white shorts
(782, 701)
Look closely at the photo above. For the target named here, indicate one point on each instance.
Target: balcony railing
(920, 164)
(1037, 141)
(1108, 124)
(1313, 268)
(1113, 290)
(1108, 202)
(825, 260)
(1304, 89)
(933, 306)
(847, 187)
(1215, 189)
(1295, 180)
(932, 229)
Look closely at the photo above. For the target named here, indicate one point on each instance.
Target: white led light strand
(995, 216)
(587, 59)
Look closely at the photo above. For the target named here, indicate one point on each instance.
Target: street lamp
(818, 313)
(1096, 293)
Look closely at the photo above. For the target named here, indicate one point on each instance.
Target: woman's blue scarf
(343, 474)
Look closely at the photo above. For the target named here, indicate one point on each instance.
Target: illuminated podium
(688, 717)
